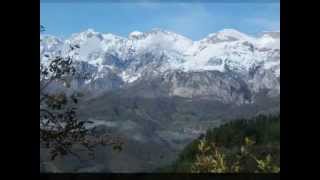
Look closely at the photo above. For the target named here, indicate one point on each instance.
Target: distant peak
(229, 31)
(87, 32)
(232, 33)
(273, 34)
(135, 34)
(138, 34)
(226, 35)
(90, 30)
(159, 30)
(212, 34)
(276, 31)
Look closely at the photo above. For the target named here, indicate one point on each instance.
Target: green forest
(239, 146)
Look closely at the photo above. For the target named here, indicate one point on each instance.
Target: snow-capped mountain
(227, 65)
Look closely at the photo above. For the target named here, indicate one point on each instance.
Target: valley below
(154, 131)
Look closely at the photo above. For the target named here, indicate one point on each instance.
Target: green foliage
(244, 145)
(262, 129)
(209, 159)
(266, 165)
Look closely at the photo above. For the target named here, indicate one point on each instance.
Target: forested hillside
(244, 145)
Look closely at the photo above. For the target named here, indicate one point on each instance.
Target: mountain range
(160, 90)
(228, 66)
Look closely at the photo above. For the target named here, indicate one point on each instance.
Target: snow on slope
(268, 41)
(226, 48)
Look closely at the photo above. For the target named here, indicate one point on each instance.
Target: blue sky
(194, 20)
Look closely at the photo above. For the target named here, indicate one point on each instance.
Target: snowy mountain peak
(170, 34)
(135, 35)
(87, 33)
(227, 34)
(269, 40)
(90, 30)
(49, 39)
(272, 34)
